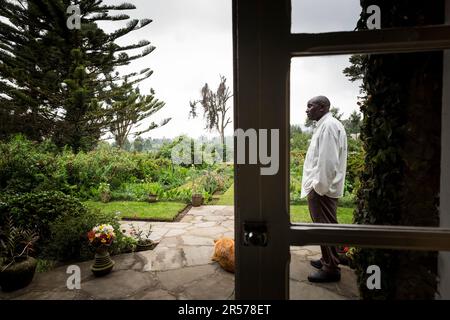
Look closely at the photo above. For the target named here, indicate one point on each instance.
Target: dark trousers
(323, 209)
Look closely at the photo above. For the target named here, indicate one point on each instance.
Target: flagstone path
(180, 267)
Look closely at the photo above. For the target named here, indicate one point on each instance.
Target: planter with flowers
(17, 268)
(101, 238)
(143, 238)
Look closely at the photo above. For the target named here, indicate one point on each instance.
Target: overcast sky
(193, 40)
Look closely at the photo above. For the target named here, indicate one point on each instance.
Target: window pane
(316, 16)
(385, 274)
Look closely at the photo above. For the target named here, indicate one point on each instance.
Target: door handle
(255, 234)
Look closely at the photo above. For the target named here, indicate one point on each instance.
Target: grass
(227, 199)
(163, 211)
(299, 212)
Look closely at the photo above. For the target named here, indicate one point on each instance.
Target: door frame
(263, 48)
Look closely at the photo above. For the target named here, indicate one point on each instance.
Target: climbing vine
(401, 134)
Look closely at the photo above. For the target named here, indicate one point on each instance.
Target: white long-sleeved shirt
(326, 159)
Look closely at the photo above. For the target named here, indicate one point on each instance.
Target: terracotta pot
(18, 275)
(102, 262)
(197, 200)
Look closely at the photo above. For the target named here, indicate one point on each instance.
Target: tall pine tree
(129, 108)
(53, 80)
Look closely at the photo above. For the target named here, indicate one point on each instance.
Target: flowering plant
(101, 235)
(142, 237)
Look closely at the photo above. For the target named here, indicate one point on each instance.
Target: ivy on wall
(401, 134)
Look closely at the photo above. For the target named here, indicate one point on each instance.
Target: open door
(263, 48)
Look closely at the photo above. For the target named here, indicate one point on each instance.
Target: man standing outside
(323, 180)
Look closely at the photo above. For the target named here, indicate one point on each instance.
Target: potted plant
(101, 237)
(17, 267)
(143, 239)
(197, 196)
(152, 198)
(105, 192)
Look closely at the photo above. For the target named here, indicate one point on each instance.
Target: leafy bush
(299, 140)
(355, 167)
(37, 211)
(88, 170)
(68, 235)
(137, 191)
(26, 166)
(149, 168)
(62, 223)
(44, 265)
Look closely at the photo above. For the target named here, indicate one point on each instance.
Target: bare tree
(215, 109)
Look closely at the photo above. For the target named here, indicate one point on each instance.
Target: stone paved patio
(180, 267)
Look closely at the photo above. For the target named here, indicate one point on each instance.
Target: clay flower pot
(197, 200)
(102, 262)
(18, 275)
(152, 198)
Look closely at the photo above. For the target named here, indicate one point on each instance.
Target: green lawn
(164, 211)
(227, 199)
(299, 213)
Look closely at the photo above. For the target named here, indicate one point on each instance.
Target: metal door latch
(255, 234)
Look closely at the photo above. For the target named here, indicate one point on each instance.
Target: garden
(57, 196)
(51, 198)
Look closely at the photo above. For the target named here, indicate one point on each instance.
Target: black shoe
(316, 264)
(323, 276)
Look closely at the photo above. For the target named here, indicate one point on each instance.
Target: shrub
(26, 166)
(44, 265)
(137, 191)
(37, 211)
(149, 168)
(62, 223)
(172, 176)
(88, 170)
(68, 235)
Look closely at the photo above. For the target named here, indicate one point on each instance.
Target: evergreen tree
(53, 80)
(353, 123)
(148, 144)
(138, 144)
(129, 109)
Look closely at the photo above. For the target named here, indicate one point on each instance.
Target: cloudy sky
(193, 40)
